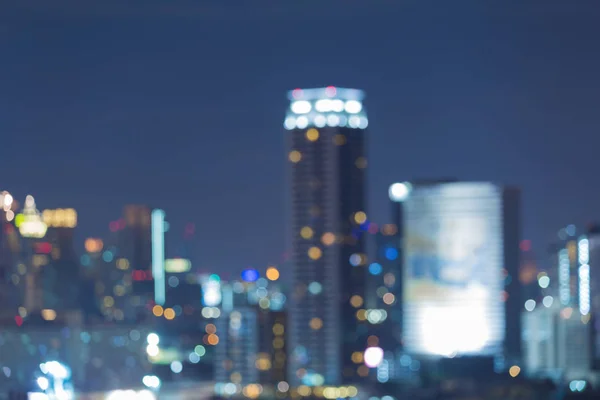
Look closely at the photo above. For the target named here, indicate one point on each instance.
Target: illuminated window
(263, 363)
(108, 301)
(123, 264)
(316, 323)
(278, 343)
(356, 301)
(306, 232)
(360, 217)
(361, 315)
(357, 357)
(315, 288)
(312, 135)
(389, 229)
(93, 245)
(361, 163)
(278, 329)
(389, 279)
(295, 156)
(304, 390)
(339, 140)
(236, 377)
(363, 371)
(315, 253)
(372, 340)
(328, 239)
(49, 315)
(119, 290)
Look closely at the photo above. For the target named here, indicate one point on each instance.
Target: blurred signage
(60, 218)
(177, 265)
(165, 356)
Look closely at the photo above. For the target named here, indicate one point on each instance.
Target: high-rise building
(60, 278)
(461, 293)
(566, 258)
(326, 138)
(557, 342)
(383, 300)
(235, 356)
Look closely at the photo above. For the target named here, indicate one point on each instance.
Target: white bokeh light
(399, 191)
(289, 123)
(324, 105)
(373, 356)
(320, 120)
(333, 120)
(301, 107)
(353, 107)
(337, 105)
(530, 305)
(302, 122)
(153, 339)
(176, 367)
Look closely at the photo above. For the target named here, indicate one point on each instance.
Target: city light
(30, 221)
(151, 381)
(48, 315)
(153, 339)
(514, 371)
(60, 218)
(43, 382)
(272, 274)
(250, 275)
(544, 281)
(530, 305)
(177, 265)
(584, 276)
(93, 245)
(564, 277)
(399, 192)
(373, 356)
(158, 256)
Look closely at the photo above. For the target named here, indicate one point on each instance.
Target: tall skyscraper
(61, 276)
(327, 128)
(461, 293)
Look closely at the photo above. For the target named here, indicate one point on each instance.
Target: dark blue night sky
(180, 105)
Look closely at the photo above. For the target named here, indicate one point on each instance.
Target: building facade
(461, 293)
(326, 135)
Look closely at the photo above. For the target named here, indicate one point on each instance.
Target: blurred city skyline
(92, 118)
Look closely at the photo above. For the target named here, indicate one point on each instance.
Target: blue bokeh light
(391, 253)
(250, 275)
(107, 256)
(355, 260)
(375, 269)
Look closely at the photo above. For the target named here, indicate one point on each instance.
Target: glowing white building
(557, 342)
(460, 268)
